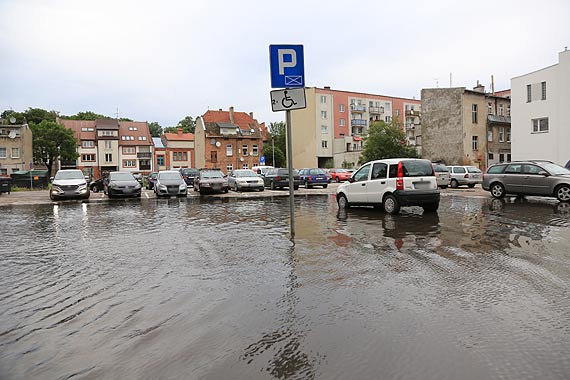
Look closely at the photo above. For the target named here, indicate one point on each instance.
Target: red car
(340, 175)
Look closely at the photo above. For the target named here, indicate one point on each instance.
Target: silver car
(528, 178)
(69, 184)
(465, 175)
(170, 182)
(245, 179)
(442, 175)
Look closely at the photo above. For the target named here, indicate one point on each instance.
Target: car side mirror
(544, 173)
(51, 179)
(350, 179)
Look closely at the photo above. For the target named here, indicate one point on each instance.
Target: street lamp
(273, 149)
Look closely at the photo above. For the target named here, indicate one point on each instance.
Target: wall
(304, 125)
(199, 143)
(474, 157)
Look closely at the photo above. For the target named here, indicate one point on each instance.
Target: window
(106, 133)
(144, 164)
(540, 125)
(3, 171)
(323, 114)
(361, 174)
(160, 160)
(490, 108)
(341, 108)
(129, 150)
(229, 150)
(128, 138)
(254, 149)
(108, 157)
(528, 93)
(323, 143)
(245, 166)
(508, 135)
(2, 152)
(244, 149)
(15, 152)
(87, 129)
(397, 112)
(491, 156)
(514, 169)
(142, 138)
(501, 157)
(133, 129)
(88, 157)
(501, 134)
(474, 113)
(475, 142)
(490, 135)
(342, 122)
(509, 110)
(87, 144)
(388, 119)
(108, 144)
(543, 87)
(323, 99)
(501, 110)
(379, 171)
(508, 157)
(214, 156)
(229, 168)
(324, 129)
(129, 163)
(180, 156)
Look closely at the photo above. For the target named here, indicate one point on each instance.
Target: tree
(155, 129)
(276, 137)
(188, 124)
(85, 115)
(386, 141)
(51, 142)
(37, 115)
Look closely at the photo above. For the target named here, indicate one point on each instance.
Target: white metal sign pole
(290, 168)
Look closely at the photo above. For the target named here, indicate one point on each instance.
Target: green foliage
(86, 115)
(31, 115)
(155, 129)
(52, 141)
(188, 124)
(276, 136)
(386, 141)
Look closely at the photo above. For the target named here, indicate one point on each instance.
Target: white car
(242, 179)
(391, 183)
(465, 175)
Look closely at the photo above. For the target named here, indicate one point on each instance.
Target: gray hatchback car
(537, 178)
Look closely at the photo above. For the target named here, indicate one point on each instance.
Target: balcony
(357, 108)
(376, 110)
(412, 113)
(144, 155)
(498, 119)
(410, 126)
(358, 123)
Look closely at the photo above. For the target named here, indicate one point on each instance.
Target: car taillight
(278, 178)
(400, 179)
(466, 175)
(310, 178)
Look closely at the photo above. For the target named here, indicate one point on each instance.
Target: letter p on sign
(287, 66)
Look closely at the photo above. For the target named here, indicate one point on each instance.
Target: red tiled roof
(179, 136)
(77, 126)
(142, 130)
(241, 119)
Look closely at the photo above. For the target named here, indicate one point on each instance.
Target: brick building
(179, 149)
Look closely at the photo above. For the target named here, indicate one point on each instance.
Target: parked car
(138, 177)
(189, 174)
(391, 183)
(313, 177)
(97, 185)
(340, 175)
(210, 181)
(261, 170)
(464, 175)
(443, 176)
(278, 178)
(538, 178)
(69, 184)
(242, 179)
(122, 184)
(151, 180)
(328, 174)
(170, 182)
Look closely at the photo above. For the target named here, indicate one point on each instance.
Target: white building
(539, 105)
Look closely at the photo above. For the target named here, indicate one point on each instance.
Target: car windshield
(554, 169)
(188, 172)
(75, 174)
(473, 169)
(211, 174)
(317, 171)
(440, 168)
(245, 173)
(121, 177)
(169, 175)
(418, 168)
(340, 170)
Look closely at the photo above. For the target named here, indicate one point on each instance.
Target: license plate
(422, 185)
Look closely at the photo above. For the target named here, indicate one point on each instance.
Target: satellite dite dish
(218, 144)
(12, 120)
(12, 134)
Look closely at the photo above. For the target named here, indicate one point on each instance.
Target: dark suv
(189, 174)
(539, 178)
(278, 178)
(211, 181)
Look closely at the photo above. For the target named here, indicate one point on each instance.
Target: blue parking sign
(287, 66)
(262, 160)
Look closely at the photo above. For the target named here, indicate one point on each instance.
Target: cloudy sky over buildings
(164, 60)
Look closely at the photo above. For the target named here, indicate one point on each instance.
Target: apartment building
(465, 127)
(111, 145)
(539, 102)
(16, 150)
(178, 149)
(330, 132)
(228, 140)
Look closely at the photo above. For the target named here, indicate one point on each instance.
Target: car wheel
(261, 189)
(497, 190)
(337, 180)
(95, 189)
(325, 186)
(432, 207)
(50, 197)
(226, 189)
(236, 187)
(471, 185)
(295, 187)
(454, 184)
(391, 205)
(272, 185)
(342, 201)
(563, 193)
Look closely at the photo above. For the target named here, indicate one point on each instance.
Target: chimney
(179, 131)
(251, 115)
(479, 88)
(327, 87)
(232, 115)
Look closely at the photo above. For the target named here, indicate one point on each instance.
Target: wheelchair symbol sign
(289, 99)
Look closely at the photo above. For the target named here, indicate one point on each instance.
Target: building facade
(109, 145)
(539, 100)
(465, 127)
(16, 149)
(228, 140)
(331, 130)
(159, 155)
(179, 149)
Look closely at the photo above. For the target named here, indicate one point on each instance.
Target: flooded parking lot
(214, 289)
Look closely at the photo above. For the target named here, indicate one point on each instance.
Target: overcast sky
(164, 60)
